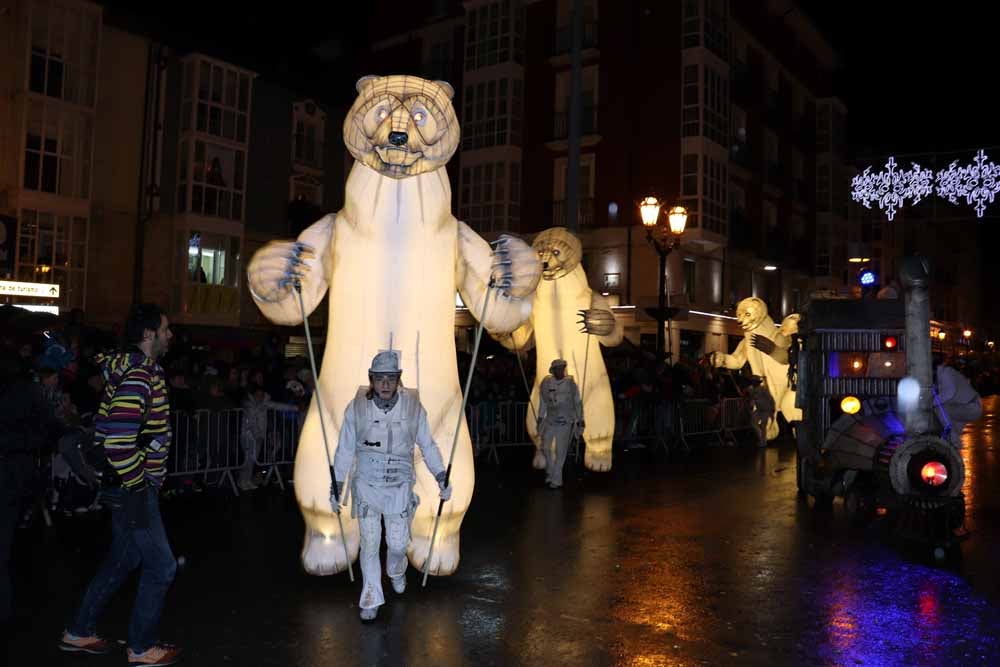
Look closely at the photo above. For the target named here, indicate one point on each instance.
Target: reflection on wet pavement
(706, 561)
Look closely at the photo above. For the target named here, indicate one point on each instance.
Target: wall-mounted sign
(45, 290)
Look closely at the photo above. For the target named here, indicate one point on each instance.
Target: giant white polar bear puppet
(564, 304)
(391, 261)
(764, 347)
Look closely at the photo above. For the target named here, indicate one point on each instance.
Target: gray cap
(557, 363)
(386, 362)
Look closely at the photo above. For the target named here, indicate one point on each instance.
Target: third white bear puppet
(764, 347)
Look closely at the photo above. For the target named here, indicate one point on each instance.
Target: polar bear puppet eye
(382, 113)
(419, 116)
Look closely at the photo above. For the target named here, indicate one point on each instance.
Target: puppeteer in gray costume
(560, 418)
(376, 446)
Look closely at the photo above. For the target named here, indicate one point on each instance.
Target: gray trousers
(397, 539)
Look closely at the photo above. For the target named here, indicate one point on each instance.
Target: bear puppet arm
(284, 308)
(734, 361)
(505, 312)
(598, 302)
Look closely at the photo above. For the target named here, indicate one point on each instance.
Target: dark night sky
(916, 76)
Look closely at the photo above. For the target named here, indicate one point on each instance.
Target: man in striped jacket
(133, 426)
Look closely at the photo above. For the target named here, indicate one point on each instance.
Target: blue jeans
(130, 548)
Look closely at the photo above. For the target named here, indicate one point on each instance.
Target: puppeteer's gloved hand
(334, 502)
(445, 492)
(276, 267)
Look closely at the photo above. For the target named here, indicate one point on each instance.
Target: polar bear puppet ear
(446, 87)
(366, 81)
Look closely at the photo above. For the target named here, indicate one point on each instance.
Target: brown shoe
(161, 654)
(91, 645)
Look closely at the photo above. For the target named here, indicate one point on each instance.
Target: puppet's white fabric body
(390, 262)
(379, 447)
(554, 330)
(559, 412)
(754, 320)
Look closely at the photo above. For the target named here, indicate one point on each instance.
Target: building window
(798, 175)
(492, 114)
(307, 141)
(823, 187)
(689, 180)
(588, 98)
(690, 126)
(213, 259)
(438, 65)
(823, 129)
(689, 187)
(53, 249)
(691, 25)
(309, 191)
(690, 278)
(798, 228)
(64, 47)
(770, 216)
(716, 101)
(585, 211)
(715, 199)
(489, 34)
(487, 201)
(839, 132)
(216, 179)
(717, 27)
(219, 98)
(772, 157)
(57, 147)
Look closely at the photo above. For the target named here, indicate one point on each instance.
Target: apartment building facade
(724, 107)
(146, 170)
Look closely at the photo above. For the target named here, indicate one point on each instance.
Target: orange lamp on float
(850, 405)
(934, 473)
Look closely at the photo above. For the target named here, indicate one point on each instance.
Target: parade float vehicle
(870, 432)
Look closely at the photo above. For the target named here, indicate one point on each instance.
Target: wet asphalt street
(702, 560)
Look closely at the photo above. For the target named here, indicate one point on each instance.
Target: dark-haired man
(133, 428)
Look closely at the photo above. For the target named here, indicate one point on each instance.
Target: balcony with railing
(584, 214)
(588, 122)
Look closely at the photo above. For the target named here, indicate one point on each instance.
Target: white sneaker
(368, 615)
(398, 583)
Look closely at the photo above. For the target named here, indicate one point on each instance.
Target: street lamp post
(663, 243)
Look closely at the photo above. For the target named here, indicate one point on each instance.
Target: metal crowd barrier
(495, 424)
(737, 415)
(205, 443)
(279, 448)
(643, 421)
(208, 443)
(699, 417)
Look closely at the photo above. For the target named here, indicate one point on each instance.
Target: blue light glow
(867, 277)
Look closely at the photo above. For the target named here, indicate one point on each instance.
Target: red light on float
(890, 342)
(934, 473)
